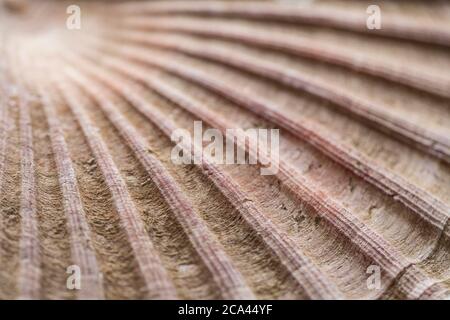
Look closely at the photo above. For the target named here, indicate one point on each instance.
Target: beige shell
(91, 94)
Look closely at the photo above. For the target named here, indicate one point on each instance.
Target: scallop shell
(93, 205)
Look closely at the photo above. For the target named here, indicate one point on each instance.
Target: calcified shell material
(92, 93)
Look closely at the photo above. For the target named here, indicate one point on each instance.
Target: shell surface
(95, 98)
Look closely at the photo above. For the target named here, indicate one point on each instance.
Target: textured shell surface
(224, 149)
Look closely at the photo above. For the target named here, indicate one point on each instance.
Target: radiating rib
(82, 250)
(228, 279)
(30, 253)
(158, 284)
(436, 291)
(4, 123)
(30, 257)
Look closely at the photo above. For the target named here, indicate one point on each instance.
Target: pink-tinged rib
(30, 270)
(158, 284)
(371, 244)
(229, 281)
(437, 291)
(422, 288)
(362, 109)
(300, 46)
(4, 133)
(4, 123)
(309, 277)
(414, 284)
(396, 26)
(430, 209)
(82, 250)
